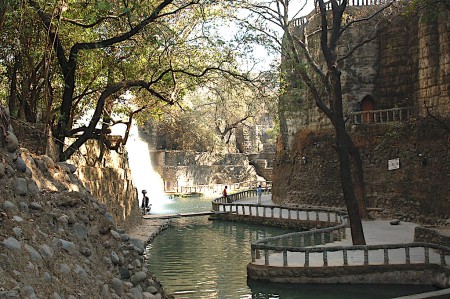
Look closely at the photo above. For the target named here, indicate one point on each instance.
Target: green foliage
(430, 9)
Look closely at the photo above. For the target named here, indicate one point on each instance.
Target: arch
(367, 104)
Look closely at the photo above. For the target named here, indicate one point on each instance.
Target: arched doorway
(368, 104)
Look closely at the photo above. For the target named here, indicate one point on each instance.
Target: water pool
(203, 259)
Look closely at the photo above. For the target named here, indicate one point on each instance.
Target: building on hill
(396, 96)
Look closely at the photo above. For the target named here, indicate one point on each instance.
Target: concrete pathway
(377, 232)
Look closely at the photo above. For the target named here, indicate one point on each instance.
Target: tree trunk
(12, 101)
(351, 203)
(63, 125)
(358, 175)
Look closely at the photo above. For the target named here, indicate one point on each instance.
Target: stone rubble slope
(57, 240)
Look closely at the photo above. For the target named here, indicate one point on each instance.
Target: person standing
(258, 194)
(145, 202)
(225, 194)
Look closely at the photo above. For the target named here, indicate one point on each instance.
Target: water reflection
(202, 259)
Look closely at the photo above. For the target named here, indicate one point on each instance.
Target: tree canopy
(77, 66)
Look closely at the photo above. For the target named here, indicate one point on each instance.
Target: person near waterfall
(258, 194)
(145, 206)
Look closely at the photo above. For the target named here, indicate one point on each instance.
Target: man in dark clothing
(145, 202)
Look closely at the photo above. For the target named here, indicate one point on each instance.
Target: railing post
(306, 258)
(386, 256)
(285, 261)
(322, 238)
(443, 262)
(253, 255)
(427, 255)
(407, 254)
(281, 212)
(264, 211)
(272, 216)
(298, 214)
(328, 217)
(266, 257)
(344, 253)
(325, 258)
(307, 215)
(366, 256)
(257, 211)
(250, 210)
(289, 213)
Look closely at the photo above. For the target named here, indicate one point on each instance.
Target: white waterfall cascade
(142, 172)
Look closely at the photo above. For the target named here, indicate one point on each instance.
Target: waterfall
(142, 172)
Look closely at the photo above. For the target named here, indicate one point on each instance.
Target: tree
(321, 76)
(106, 51)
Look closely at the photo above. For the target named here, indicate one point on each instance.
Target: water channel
(202, 259)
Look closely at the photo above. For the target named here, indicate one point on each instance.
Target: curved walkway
(390, 256)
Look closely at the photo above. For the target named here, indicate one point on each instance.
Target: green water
(202, 259)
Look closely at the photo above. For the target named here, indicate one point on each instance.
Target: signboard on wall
(394, 164)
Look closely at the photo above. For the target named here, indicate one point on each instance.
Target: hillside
(57, 240)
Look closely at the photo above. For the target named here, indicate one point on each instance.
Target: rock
(20, 165)
(18, 219)
(86, 252)
(17, 231)
(47, 277)
(148, 295)
(138, 277)
(33, 188)
(137, 244)
(117, 286)
(9, 171)
(2, 170)
(137, 293)
(80, 231)
(49, 163)
(63, 167)
(115, 234)
(20, 186)
(46, 252)
(23, 206)
(82, 274)
(124, 237)
(28, 292)
(151, 290)
(12, 142)
(33, 253)
(56, 296)
(64, 268)
(9, 206)
(12, 244)
(66, 245)
(125, 274)
(395, 222)
(114, 258)
(35, 206)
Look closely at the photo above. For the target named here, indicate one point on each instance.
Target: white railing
(380, 116)
(358, 255)
(218, 188)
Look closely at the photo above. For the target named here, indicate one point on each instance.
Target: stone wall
(110, 181)
(185, 169)
(417, 191)
(407, 65)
